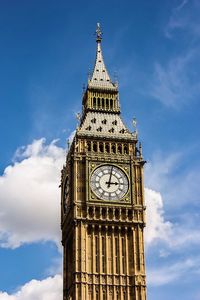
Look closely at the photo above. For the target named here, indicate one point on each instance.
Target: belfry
(102, 199)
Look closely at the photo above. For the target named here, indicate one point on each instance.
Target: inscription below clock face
(109, 182)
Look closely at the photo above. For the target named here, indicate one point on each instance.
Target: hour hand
(109, 183)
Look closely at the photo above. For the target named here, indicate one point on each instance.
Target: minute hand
(109, 181)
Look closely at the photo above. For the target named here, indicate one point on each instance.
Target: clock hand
(109, 181)
(112, 183)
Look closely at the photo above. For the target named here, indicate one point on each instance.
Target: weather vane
(98, 32)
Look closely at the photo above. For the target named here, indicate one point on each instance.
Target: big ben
(102, 199)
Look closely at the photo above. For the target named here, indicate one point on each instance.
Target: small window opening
(120, 149)
(89, 146)
(99, 129)
(94, 102)
(107, 147)
(113, 148)
(103, 103)
(125, 149)
(101, 147)
(93, 120)
(95, 147)
(107, 103)
(99, 102)
(88, 128)
(111, 103)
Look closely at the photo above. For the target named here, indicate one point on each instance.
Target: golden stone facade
(102, 201)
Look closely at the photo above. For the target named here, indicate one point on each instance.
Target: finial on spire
(98, 33)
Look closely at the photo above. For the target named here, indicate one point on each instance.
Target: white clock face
(109, 182)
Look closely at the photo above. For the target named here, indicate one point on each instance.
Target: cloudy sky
(47, 50)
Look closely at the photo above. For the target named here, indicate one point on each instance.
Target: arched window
(117, 214)
(107, 103)
(125, 149)
(96, 254)
(124, 294)
(104, 213)
(107, 147)
(104, 295)
(94, 102)
(119, 149)
(99, 102)
(103, 103)
(101, 147)
(111, 103)
(103, 253)
(123, 256)
(117, 294)
(89, 146)
(117, 255)
(113, 148)
(97, 295)
(95, 147)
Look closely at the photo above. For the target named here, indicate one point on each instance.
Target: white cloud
(176, 82)
(157, 228)
(30, 197)
(184, 17)
(178, 194)
(49, 288)
(160, 169)
(176, 20)
(170, 173)
(173, 272)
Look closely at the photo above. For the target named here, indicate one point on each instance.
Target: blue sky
(47, 50)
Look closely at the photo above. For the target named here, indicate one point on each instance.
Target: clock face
(109, 182)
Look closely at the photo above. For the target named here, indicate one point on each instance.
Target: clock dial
(109, 182)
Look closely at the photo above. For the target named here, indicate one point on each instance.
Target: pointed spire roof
(100, 78)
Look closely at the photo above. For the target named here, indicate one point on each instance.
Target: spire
(100, 77)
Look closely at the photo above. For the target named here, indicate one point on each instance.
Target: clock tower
(102, 201)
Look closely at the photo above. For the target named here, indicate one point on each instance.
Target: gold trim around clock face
(109, 182)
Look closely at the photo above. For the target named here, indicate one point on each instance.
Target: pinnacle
(100, 77)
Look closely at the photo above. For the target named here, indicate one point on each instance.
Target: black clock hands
(109, 181)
